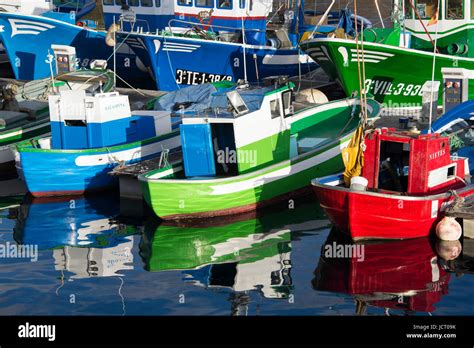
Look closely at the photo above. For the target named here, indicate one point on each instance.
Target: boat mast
(433, 70)
(244, 49)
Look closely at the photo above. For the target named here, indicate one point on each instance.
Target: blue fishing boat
(90, 135)
(458, 125)
(216, 40)
(244, 45)
(29, 62)
(93, 134)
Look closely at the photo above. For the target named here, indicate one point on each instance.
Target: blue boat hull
(69, 172)
(178, 61)
(81, 7)
(29, 60)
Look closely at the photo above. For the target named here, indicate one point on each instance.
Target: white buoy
(311, 95)
(448, 229)
(448, 250)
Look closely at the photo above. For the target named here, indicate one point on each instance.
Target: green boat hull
(393, 75)
(179, 199)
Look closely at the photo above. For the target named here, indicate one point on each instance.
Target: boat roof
(203, 100)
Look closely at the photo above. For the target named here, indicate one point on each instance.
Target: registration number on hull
(186, 77)
(381, 87)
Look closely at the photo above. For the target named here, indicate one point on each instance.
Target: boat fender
(448, 250)
(359, 183)
(448, 229)
(110, 37)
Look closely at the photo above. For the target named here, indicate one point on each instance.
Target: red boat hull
(368, 215)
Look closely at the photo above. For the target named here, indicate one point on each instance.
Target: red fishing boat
(410, 181)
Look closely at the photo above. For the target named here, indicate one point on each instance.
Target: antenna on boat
(49, 60)
(244, 49)
(115, 58)
(435, 50)
(378, 11)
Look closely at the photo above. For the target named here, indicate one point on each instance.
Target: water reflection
(402, 275)
(240, 253)
(82, 233)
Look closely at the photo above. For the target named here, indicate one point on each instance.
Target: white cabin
(28, 7)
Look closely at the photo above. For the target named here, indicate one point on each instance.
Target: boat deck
(464, 210)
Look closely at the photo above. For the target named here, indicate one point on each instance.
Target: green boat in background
(399, 61)
(242, 252)
(252, 148)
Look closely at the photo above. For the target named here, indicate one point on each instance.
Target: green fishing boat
(399, 61)
(24, 113)
(254, 146)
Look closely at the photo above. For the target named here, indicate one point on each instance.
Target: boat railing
(133, 21)
(207, 27)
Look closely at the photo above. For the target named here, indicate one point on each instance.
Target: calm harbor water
(91, 262)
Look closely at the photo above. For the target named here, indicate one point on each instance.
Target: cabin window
(147, 3)
(242, 3)
(224, 4)
(275, 108)
(108, 2)
(185, 2)
(121, 2)
(287, 106)
(134, 3)
(454, 9)
(204, 3)
(409, 9)
(157, 3)
(427, 8)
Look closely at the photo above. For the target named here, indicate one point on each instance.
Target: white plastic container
(45, 143)
(359, 183)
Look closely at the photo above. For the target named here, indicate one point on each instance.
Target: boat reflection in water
(240, 253)
(402, 275)
(81, 232)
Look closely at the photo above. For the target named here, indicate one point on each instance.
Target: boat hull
(369, 215)
(29, 61)
(179, 61)
(71, 172)
(192, 199)
(394, 75)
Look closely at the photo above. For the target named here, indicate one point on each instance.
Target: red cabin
(412, 164)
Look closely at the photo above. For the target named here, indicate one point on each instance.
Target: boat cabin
(243, 130)
(411, 164)
(81, 121)
(223, 17)
(453, 15)
(28, 7)
(158, 13)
